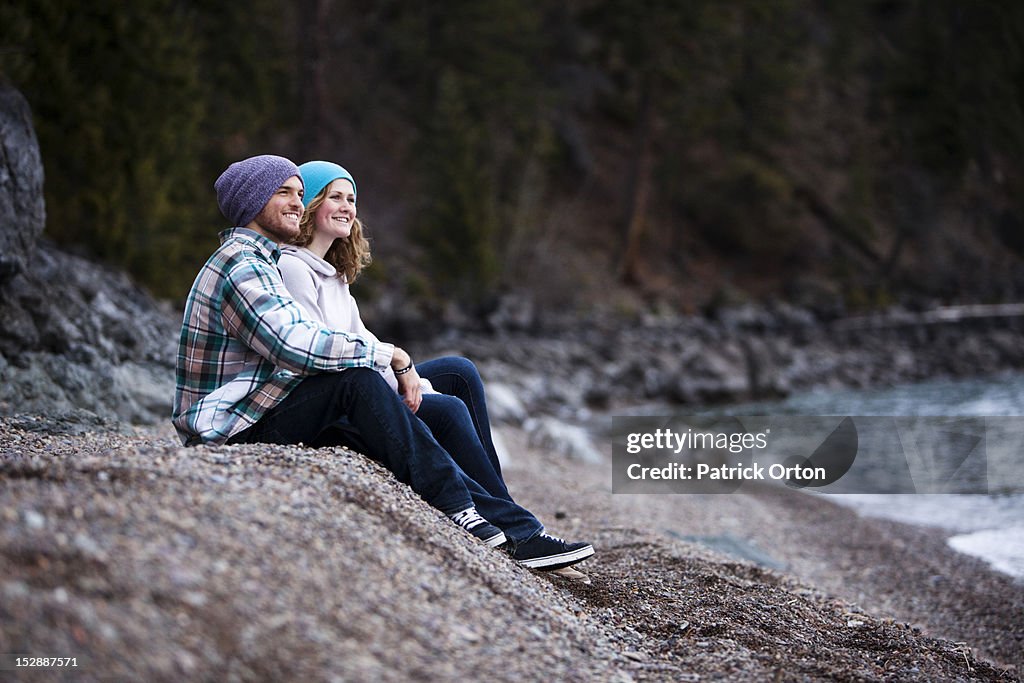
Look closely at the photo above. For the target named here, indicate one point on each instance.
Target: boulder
(21, 184)
(74, 335)
(568, 440)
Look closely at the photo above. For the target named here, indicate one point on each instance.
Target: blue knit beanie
(316, 175)
(246, 186)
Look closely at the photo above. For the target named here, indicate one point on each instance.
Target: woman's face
(334, 217)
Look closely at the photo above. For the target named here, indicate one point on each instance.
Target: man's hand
(408, 382)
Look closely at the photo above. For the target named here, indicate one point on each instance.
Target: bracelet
(404, 370)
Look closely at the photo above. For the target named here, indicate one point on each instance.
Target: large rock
(74, 335)
(21, 184)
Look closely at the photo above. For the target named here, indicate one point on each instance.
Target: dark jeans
(458, 419)
(356, 408)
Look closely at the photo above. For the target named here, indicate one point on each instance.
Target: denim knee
(367, 378)
(463, 366)
(440, 411)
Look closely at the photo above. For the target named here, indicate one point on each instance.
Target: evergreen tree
(115, 95)
(137, 106)
(477, 69)
(457, 229)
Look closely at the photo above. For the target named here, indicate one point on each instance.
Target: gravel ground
(148, 561)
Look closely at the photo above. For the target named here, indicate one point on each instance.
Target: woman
(326, 258)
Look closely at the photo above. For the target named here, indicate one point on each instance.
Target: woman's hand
(410, 389)
(408, 381)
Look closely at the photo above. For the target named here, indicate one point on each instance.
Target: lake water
(987, 526)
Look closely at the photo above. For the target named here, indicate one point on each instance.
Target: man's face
(279, 218)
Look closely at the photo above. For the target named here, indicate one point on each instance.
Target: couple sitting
(273, 350)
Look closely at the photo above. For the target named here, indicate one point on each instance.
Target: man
(253, 367)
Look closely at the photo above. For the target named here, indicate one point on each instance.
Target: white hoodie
(314, 284)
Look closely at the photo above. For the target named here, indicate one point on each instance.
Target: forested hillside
(834, 154)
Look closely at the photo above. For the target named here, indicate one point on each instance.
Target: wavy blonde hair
(349, 255)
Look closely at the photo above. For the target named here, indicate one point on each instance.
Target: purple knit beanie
(244, 188)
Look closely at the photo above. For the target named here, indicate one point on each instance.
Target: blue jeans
(458, 419)
(357, 409)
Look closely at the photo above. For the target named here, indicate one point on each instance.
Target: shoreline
(564, 367)
(152, 561)
(117, 359)
(989, 541)
(989, 526)
(896, 570)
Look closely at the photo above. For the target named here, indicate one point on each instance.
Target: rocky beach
(144, 560)
(148, 561)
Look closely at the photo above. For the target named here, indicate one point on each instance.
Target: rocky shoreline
(78, 336)
(568, 367)
(149, 561)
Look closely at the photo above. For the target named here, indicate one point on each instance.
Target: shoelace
(468, 518)
(553, 538)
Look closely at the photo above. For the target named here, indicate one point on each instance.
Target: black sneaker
(470, 520)
(545, 553)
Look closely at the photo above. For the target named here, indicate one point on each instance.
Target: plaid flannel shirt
(245, 343)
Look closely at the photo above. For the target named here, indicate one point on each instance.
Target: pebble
(88, 546)
(194, 598)
(34, 520)
(16, 589)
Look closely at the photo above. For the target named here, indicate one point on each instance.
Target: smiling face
(279, 218)
(333, 218)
